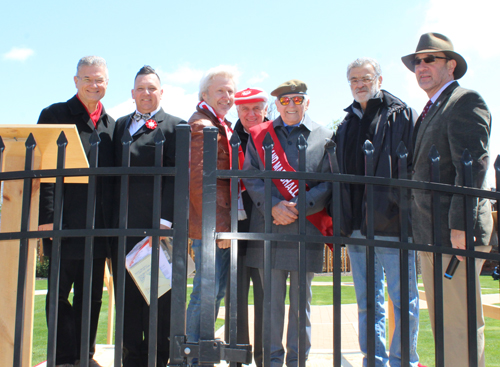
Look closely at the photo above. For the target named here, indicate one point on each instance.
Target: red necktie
(426, 109)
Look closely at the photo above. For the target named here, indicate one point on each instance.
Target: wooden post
(14, 138)
(14, 156)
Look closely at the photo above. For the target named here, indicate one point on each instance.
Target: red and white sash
(287, 187)
(242, 215)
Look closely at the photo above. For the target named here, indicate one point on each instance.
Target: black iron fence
(210, 350)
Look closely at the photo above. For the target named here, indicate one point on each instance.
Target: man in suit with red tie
(455, 119)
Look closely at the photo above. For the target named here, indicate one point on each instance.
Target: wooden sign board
(46, 136)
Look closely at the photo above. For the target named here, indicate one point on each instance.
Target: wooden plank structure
(14, 138)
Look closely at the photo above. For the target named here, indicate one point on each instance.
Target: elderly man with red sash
(292, 103)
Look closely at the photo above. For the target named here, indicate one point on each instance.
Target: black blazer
(142, 151)
(75, 195)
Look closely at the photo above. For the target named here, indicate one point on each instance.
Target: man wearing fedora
(292, 103)
(453, 120)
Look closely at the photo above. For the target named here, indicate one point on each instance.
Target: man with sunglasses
(453, 120)
(385, 120)
(292, 103)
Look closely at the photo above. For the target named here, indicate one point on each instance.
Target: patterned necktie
(138, 116)
(426, 109)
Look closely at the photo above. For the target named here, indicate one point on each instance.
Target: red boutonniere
(151, 124)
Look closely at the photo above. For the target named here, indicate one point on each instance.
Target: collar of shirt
(436, 96)
(94, 116)
(356, 106)
(136, 125)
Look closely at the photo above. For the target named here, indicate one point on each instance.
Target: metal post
(23, 253)
(89, 252)
(302, 146)
(370, 258)
(55, 259)
(438, 263)
(402, 153)
(268, 145)
(179, 250)
(122, 243)
(331, 149)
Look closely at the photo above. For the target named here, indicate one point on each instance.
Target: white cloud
(18, 54)
(183, 75)
(473, 27)
(258, 78)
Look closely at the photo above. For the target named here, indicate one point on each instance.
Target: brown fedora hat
(436, 42)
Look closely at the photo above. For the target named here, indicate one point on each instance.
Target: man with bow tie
(142, 125)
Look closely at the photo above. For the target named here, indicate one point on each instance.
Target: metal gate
(210, 350)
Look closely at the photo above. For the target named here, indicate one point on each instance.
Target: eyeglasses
(428, 59)
(298, 100)
(365, 80)
(93, 81)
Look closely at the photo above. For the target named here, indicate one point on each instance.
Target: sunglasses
(298, 100)
(428, 59)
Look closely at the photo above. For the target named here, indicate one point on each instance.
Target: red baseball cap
(250, 95)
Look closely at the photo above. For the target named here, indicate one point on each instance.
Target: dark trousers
(136, 325)
(69, 317)
(245, 274)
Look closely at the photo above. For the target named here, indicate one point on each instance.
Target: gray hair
(362, 61)
(91, 61)
(226, 71)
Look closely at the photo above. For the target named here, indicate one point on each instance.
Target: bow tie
(139, 116)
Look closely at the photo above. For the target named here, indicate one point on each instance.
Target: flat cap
(290, 87)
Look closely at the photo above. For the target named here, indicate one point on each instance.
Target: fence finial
(62, 140)
(268, 142)
(401, 151)
(94, 138)
(434, 154)
(466, 158)
(126, 138)
(30, 142)
(159, 137)
(235, 140)
(368, 147)
(301, 142)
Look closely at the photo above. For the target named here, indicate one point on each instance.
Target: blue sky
(268, 41)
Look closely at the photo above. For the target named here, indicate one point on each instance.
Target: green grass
(322, 295)
(425, 346)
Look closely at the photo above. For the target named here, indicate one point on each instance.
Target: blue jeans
(222, 257)
(386, 260)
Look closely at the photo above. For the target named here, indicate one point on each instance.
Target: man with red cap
(251, 104)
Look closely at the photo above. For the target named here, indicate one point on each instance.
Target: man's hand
(223, 244)
(284, 213)
(458, 241)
